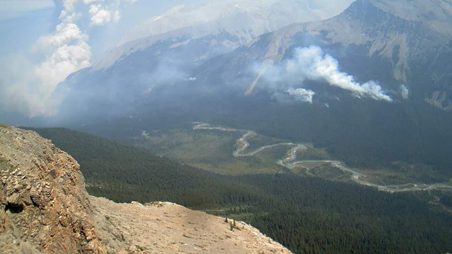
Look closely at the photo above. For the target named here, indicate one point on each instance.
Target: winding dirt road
(290, 162)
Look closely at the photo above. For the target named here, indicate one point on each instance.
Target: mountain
(217, 27)
(165, 49)
(255, 16)
(46, 209)
(411, 39)
(377, 77)
(370, 85)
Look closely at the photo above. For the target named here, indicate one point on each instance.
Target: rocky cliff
(43, 203)
(44, 208)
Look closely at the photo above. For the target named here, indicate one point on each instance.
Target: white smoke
(20, 88)
(404, 92)
(64, 52)
(67, 51)
(99, 16)
(301, 94)
(103, 12)
(91, 1)
(311, 63)
(26, 86)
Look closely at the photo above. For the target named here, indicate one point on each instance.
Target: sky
(22, 22)
(16, 8)
(44, 41)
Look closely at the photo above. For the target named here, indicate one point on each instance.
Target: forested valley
(306, 214)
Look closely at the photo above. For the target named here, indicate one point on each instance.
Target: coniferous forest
(308, 215)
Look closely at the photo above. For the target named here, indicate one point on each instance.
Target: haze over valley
(316, 108)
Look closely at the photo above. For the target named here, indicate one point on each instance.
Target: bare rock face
(43, 203)
(163, 227)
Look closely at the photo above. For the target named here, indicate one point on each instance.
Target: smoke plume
(404, 92)
(29, 79)
(311, 63)
(301, 94)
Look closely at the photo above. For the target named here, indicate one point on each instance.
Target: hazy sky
(12, 8)
(23, 20)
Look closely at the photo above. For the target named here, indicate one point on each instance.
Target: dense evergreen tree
(308, 215)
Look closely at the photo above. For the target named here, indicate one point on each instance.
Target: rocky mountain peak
(399, 31)
(437, 14)
(225, 25)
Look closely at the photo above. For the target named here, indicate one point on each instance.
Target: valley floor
(250, 145)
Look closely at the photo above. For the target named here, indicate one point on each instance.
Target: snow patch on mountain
(237, 22)
(186, 15)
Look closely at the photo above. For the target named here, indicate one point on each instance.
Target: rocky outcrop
(43, 203)
(169, 228)
(44, 208)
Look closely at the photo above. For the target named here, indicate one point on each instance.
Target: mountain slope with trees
(308, 215)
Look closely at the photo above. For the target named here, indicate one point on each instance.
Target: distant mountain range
(392, 43)
(214, 28)
(165, 49)
(372, 85)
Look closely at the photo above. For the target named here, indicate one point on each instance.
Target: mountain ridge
(240, 21)
(403, 61)
(389, 35)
